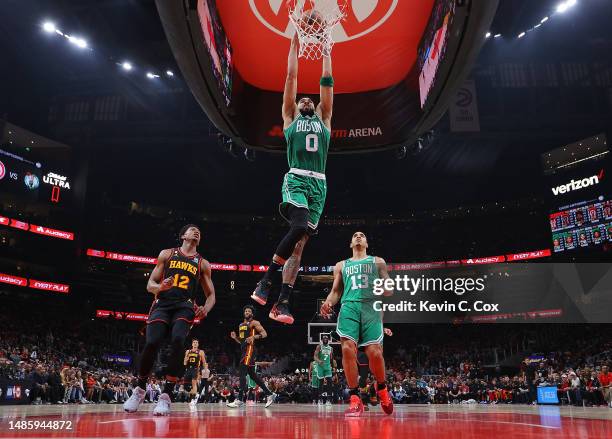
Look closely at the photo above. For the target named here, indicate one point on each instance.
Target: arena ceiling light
(49, 27)
(562, 7)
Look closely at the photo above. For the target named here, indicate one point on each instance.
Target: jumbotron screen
(585, 225)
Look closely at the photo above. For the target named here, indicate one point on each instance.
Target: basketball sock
(381, 386)
(285, 293)
(354, 391)
(272, 268)
(142, 383)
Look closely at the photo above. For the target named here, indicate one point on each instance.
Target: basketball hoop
(314, 21)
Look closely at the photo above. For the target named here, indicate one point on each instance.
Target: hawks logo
(362, 17)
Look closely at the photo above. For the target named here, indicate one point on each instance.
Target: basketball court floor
(308, 421)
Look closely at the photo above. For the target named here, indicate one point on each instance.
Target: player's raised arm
(290, 93)
(326, 104)
(336, 292)
(209, 290)
(156, 284)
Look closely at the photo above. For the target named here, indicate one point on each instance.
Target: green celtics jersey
(307, 143)
(325, 353)
(358, 278)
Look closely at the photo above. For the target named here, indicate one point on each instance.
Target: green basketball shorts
(306, 192)
(359, 322)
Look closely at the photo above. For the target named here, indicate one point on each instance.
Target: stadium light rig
(561, 8)
(49, 27)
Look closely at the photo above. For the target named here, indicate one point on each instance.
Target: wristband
(327, 81)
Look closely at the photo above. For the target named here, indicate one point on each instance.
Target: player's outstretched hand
(250, 339)
(326, 309)
(233, 335)
(388, 332)
(200, 312)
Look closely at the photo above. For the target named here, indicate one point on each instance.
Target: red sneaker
(385, 401)
(355, 407)
(280, 313)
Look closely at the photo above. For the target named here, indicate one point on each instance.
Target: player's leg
(157, 329)
(240, 398)
(280, 311)
(363, 385)
(270, 396)
(349, 363)
(294, 209)
(181, 326)
(372, 336)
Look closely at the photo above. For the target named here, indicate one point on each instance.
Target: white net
(314, 21)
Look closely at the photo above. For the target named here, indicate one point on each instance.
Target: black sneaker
(280, 313)
(260, 295)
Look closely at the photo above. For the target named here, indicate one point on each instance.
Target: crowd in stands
(436, 364)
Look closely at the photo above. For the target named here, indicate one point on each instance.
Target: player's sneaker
(385, 401)
(262, 291)
(328, 402)
(134, 401)
(194, 402)
(355, 407)
(162, 408)
(235, 404)
(270, 400)
(280, 313)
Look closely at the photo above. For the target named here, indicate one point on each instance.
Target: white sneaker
(194, 401)
(134, 401)
(235, 404)
(328, 403)
(319, 402)
(162, 408)
(270, 400)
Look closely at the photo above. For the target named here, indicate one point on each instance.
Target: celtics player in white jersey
(308, 131)
(359, 324)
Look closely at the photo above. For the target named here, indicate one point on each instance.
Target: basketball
(311, 21)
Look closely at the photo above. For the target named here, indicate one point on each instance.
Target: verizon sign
(41, 230)
(575, 185)
(13, 280)
(49, 286)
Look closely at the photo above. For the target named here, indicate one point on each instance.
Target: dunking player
(359, 325)
(194, 359)
(174, 282)
(249, 331)
(323, 365)
(307, 131)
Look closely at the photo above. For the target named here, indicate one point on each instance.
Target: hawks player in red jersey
(174, 282)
